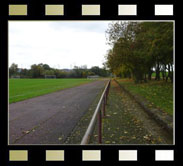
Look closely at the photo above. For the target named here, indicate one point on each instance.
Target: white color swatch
(164, 155)
(163, 10)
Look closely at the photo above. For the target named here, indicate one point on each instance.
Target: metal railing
(97, 114)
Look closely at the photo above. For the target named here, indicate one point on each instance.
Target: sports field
(21, 89)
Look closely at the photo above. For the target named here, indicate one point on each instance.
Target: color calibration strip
(18, 155)
(54, 10)
(54, 155)
(127, 155)
(20, 10)
(91, 155)
(90, 10)
(164, 10)
(127, 10)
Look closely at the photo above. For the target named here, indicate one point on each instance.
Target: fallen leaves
(147, 137)
(26, 132)
(123, 125)
(125, 132)
(122, 137)
(60, 138)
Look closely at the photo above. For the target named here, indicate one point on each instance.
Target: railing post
(104, 102)
(106, 96)
(99, 128)
(107, 92)
(108, 89)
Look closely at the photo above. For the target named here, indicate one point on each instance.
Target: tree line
(139, 49)
(40, 70)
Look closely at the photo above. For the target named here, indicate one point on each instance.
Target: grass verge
(159, 93)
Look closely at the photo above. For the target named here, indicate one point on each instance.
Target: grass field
(161, 75)
(22, 89)
(159, 93)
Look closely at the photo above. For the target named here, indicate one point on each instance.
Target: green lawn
(161, 75)
(159, 93)
(21, 89)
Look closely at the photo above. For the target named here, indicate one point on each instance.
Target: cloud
(60, 44)
(84, 26)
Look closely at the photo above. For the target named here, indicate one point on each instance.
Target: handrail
(97, 112)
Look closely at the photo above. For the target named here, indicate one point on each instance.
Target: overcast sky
(61, 44)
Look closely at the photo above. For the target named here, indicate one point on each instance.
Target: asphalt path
(50, 118)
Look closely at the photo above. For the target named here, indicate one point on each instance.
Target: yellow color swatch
(91, 155)
(18, 155)
(90, 9)
(17, 10)
(55, 10)
(55, 155)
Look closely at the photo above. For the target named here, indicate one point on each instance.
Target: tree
(140, 47)
(13, 70)
(96, 70)
(37, 71)
(46, 67)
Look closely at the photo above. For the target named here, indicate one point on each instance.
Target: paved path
(50, 118)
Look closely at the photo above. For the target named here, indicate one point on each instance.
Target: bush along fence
(97, 117)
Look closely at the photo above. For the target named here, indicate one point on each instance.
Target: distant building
(93, 77)
(17, 76)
